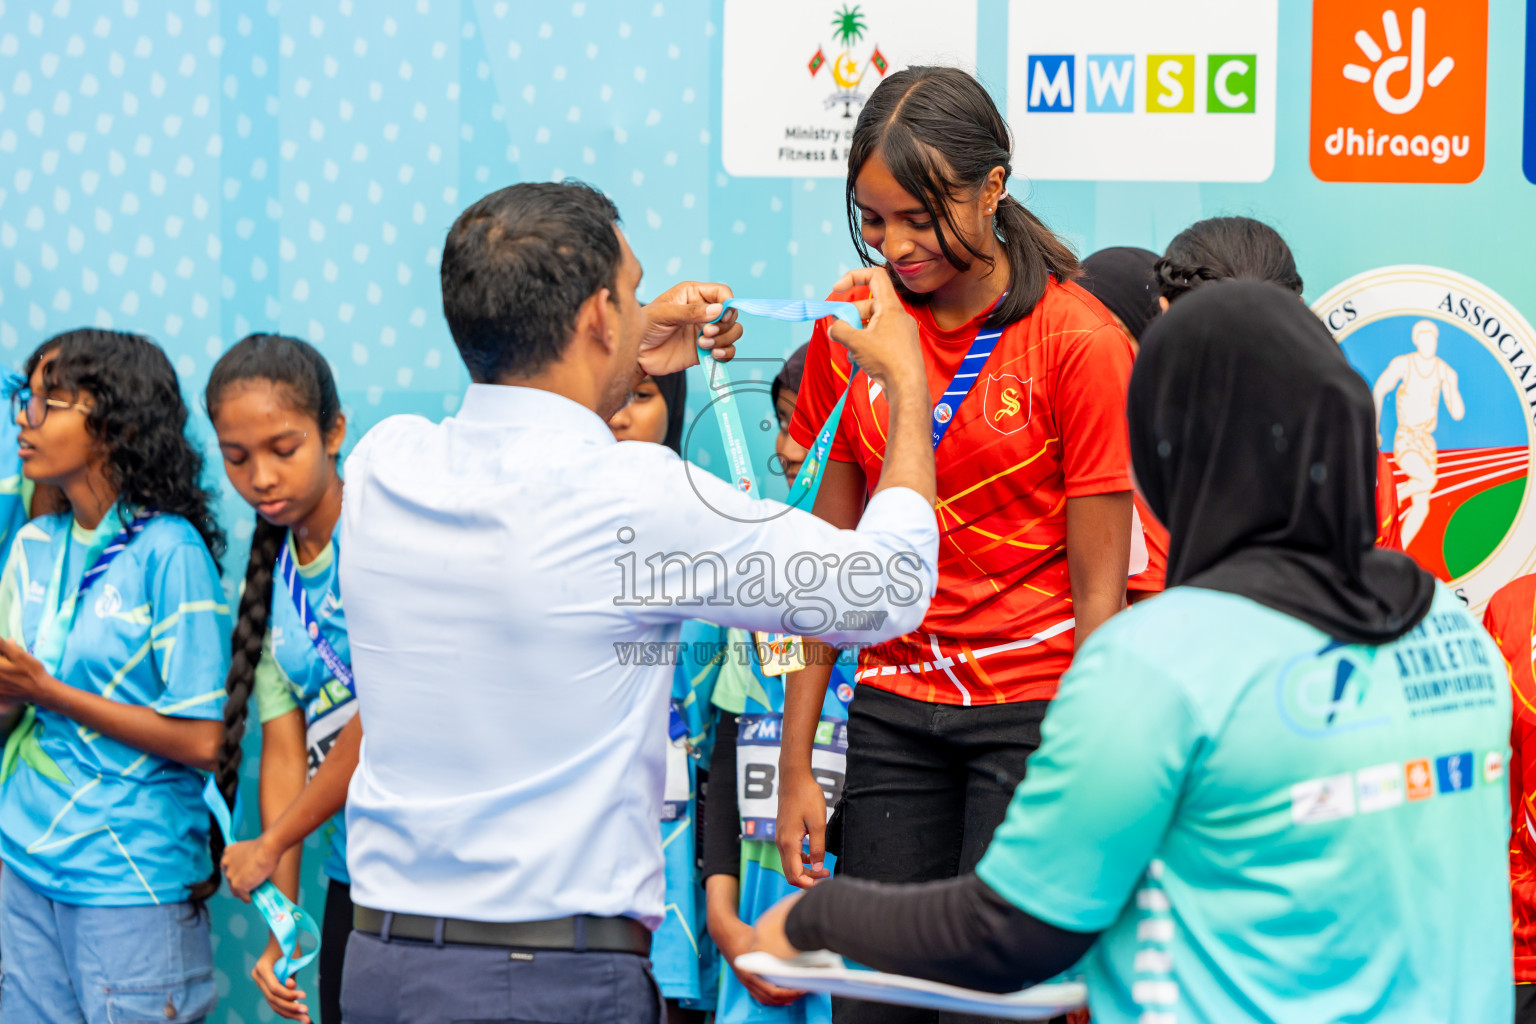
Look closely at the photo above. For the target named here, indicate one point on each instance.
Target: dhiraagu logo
(1399, 90)
(1111, 89)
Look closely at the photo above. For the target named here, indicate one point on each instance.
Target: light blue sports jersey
(1268, 825)
(84, 818)
(683, 958)
(292, 674)
(745, 690)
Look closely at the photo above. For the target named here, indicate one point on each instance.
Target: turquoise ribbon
(284, 918)
(802, 492)
(795, 310)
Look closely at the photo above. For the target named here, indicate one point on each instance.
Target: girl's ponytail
(250, 631)
(1035, 254)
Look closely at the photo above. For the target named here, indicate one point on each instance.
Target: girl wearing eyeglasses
(112, 652)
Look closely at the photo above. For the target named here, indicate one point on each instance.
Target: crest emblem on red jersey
(1008, 402)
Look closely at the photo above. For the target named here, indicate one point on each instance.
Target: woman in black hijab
(1122, 278)
(1229, 808)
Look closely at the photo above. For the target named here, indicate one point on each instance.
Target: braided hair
(298, 368)
(1223, 248)
(941, 136)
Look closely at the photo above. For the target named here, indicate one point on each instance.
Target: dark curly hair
(139, 418)
(1223, 248)
(303, 373)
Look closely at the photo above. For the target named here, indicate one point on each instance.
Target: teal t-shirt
(292, 675)
(1268, 825)
(86, 819)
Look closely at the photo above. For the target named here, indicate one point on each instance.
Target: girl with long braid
(274, 406)
(112, 627)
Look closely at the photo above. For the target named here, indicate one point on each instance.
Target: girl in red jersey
(1122, 278)
(1028, 376)
(1511, 620)
(1222, 248)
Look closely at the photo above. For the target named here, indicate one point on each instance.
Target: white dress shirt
(513, 763)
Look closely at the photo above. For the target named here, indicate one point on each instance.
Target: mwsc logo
(1108, 84)
(1114, 90)
(1399, 90)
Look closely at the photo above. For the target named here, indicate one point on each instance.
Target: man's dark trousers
(406, 982)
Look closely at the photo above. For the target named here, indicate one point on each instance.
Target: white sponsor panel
(1117, 90)
(796, 73)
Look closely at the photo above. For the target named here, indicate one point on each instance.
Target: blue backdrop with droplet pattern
(197, 170)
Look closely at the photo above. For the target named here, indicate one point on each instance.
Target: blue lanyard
(57, 622)
(288, 572)
(808, 480)
(284, 918)
(964, 380)
(53, 629)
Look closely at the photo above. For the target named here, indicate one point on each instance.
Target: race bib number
(320, 735)
(757, 768)
(674, 799)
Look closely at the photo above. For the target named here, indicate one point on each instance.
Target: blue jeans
(404, 982)
(95, 965)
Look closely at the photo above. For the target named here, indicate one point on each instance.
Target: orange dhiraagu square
(1399, 90)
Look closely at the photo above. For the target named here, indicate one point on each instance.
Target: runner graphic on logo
(1422, 379)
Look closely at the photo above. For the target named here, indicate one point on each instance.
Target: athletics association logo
(1452, 368)
(1399, 92)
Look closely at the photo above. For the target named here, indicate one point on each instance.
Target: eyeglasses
(36, 406)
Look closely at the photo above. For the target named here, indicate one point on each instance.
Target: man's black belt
(580, 934)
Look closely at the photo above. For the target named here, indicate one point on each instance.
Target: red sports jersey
(1044, 422)
(1389, 525)
(1154, 537)
(1511, 620)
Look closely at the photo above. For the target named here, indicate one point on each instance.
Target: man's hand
(679, 322)
(248, 864)
(768, 934)
(802, 812)
(284, 997)
(889, 348)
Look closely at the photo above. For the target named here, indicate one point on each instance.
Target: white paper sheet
(826, 972)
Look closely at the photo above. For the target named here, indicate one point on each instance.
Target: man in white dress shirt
(502, 836)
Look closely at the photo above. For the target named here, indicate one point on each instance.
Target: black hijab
(674, 391)
(1123, 280)
(1253, 441)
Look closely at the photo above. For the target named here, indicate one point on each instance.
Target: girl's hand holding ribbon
(889, 348)
(284, 997)
(247, 864)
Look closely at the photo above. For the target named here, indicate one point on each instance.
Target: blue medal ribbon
(58, 620)
(288, 572)
(965, 379)
(808, 480)
(286, 920)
